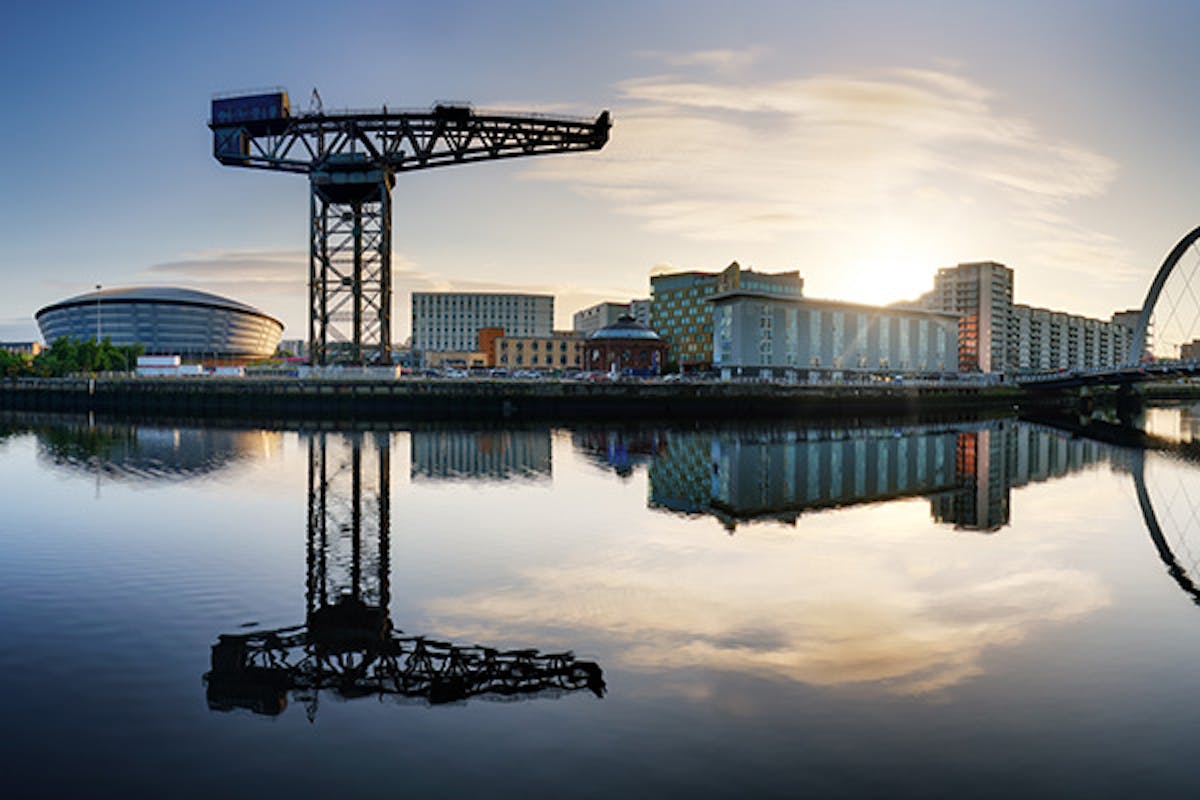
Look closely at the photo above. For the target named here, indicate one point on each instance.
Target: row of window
(535, 345)
(547, 360)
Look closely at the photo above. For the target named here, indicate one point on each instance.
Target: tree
(13, 365)
(71, 356)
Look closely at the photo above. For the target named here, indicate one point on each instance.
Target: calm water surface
(983, 609)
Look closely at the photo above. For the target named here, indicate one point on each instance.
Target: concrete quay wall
(292, 398)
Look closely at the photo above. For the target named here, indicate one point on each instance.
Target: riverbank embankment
(296, 398)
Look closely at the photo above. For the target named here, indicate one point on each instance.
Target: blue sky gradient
(863, 143)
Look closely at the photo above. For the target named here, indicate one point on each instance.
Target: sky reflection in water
(771, 607)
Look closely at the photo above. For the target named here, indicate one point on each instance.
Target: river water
(980, 609)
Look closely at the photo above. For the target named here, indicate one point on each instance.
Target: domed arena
(165, 320)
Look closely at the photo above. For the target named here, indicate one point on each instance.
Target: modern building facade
(1041, 340)
(593, 318)
(1129, 318)
(627, 347)
(681, 314)
(165, 320)
(762, 335)
(640, 310)
(981, 293)
(31, 349)
(996, 335)
(451, 321)
(562, 350)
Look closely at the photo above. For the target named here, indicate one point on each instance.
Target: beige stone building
(561, 350)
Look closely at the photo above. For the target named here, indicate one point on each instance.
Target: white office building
(601, 315)
(451, 321)
(764, 335)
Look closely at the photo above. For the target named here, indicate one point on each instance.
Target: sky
(865, 144)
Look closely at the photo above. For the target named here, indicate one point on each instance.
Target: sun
(894, 272)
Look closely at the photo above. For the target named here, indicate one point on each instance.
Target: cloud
(724, 60)
(277, 282)
(906, 615)
(824, 159)
(737, 161)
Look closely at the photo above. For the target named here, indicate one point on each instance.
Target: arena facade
(165, 320)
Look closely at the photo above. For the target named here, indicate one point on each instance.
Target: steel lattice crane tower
(351, 159)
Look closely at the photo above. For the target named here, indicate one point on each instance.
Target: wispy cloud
(737, 161)
(276, 281)
(829, 155)
(719, 60)
(284, 269)
(904, 618)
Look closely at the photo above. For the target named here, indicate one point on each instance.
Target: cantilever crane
(351, 159)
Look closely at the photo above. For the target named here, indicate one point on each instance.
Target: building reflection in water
(996, 458)
(447, 454)
(621, 451)
(347, 644)
(776, 473)
(1176, 423)
(130, 452)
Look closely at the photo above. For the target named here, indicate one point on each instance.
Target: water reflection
(1161, 451)
(923, 624)
(776, 473)
(347, 644)
(449, 454)
(140, 453)
(620, 450)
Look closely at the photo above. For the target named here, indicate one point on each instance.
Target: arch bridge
(1167, 328)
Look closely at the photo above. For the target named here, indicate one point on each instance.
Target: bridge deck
(1111, 376)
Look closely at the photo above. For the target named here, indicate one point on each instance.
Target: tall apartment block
(681, 314)
(451, 321)
(982, 294)
(1043, 340)
(994, 335)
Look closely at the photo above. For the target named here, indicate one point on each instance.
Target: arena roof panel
(155, 294)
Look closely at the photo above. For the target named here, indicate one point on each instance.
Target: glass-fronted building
(681, 314)
(165, 320)
(764, 336)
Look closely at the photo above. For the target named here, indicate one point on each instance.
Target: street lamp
(97, 315)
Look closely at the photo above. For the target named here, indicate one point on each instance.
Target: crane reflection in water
(347, 644)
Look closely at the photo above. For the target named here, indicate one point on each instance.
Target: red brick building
(626, 347)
